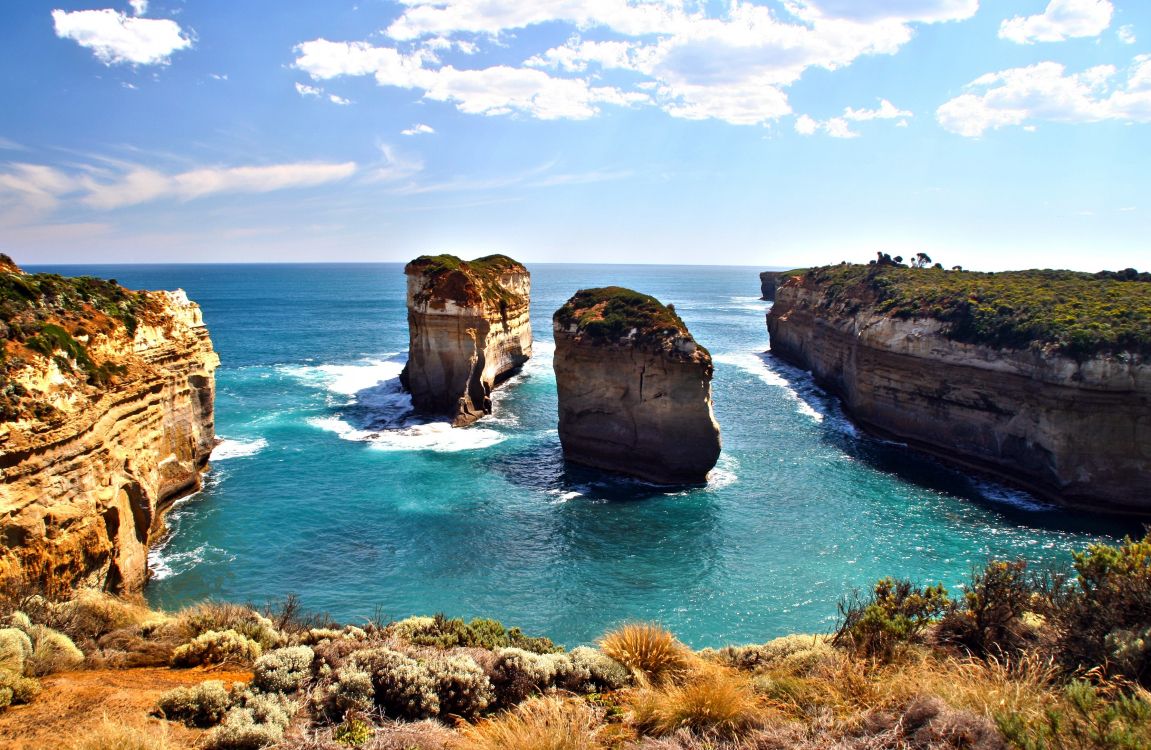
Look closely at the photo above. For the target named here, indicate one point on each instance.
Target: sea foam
(230, 448)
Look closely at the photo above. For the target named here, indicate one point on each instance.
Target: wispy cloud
(1061, 20)
(840, 127)
(418, 129)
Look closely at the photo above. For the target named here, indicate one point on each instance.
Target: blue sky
(992, 135)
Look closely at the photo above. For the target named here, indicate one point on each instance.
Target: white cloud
(1126, 34)
(840, 127)
(1045, 92)
(341, 101)
(139, 7)
(418, 129)
(731, 62)
(118, 38)
(1062, 20)
(304, 89)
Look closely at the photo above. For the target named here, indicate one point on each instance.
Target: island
(468, 331)
(634, 388)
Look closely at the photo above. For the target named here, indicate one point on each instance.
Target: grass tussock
(547, 723)
(113, 735)
(649, 650)
(710, 699)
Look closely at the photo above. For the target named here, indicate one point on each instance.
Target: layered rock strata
(1076, 430)
(634, 388)
(468, 332)
(105, 425)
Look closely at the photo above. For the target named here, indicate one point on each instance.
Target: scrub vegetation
(466, 282)
(1072, 313)
(611, 313)
(1017, 659)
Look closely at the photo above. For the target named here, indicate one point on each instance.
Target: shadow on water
(1014, 506)
(541, 466)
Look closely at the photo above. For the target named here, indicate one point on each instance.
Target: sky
(992, 135)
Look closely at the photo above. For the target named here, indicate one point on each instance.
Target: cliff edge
(634, 388)
(468, 331)
(1040, 377)
(106, 415)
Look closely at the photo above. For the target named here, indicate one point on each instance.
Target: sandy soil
(72, 705)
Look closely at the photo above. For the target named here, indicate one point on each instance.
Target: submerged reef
(469, 331)
(634, 388)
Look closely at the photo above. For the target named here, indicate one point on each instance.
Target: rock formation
(1074, 429)
(107, 416)
(469, 331)
(768, 280)
(634, 388)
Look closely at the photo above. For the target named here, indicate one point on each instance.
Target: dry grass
(111, 735)
(550, 723)
(648, 650)
(711, 699)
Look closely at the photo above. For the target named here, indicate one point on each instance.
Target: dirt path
(72, 705)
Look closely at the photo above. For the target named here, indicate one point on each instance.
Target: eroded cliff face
(768, 282)
(1077, 432)
(634, 398)
(468, 331)
(83, 487)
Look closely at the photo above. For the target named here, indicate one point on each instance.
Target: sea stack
(106, 416)
(634, 388)
(468, 331)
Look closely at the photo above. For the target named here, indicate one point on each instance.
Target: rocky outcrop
(1074, 430)
(108, 418)
(468, 331)
(768, 280)
(634, 388)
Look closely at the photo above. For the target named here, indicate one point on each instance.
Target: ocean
(324, 486)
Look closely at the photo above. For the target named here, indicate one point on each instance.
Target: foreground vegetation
(1078, 314)
(1018, 660)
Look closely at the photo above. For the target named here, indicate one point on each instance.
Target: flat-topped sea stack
(468, 331)
(106, 416)
(634, 388)
(1040, 377)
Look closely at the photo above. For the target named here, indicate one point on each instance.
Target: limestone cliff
(107, 417)
(908, 351)
(634, 388)
(468, 331)
(768, 281)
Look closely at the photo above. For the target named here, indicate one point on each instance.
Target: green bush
(202, 705)
(518, 674)
(461, 685)
(1086, 720)
(52, 651)
(351, 690)
(444, 633)
(16, 688)
(15, 650)
(207, 616)
(991, 620)
(216, 647)
(797, 654)
(404, 689)
(896, 613)
(240, 731)
(1108, 608)
(284, 670)
(603, 672)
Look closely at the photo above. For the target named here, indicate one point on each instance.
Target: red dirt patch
(72, 704)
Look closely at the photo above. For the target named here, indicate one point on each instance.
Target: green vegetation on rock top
(466, 282)
(611, 312)
(1077, 314)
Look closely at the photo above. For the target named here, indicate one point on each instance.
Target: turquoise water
(325, 487)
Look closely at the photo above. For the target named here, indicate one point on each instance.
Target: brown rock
(468, 330)
(1075, 432)
(83, 491)
(634, 388)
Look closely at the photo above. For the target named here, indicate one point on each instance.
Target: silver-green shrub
(216, 647)
(518, 673)
(15, 650)
(240, 731)
(202, 705)
(603, 672)
(798, 654)
(461, 685)
(404, 689)
(351, 690)
(52, 651)
(283, 670)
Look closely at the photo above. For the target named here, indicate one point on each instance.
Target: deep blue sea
(325, 487)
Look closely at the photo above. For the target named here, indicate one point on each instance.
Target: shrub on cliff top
(52, 651)
(404, 689)
(711, 699)
(610, 313)
(444, 633)
(284, 670)
(15, 650)
(202, 705)
(216, 647)
(647, 649)
(205, 616)
(549, 723)
(896, 613)
(462, 687)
